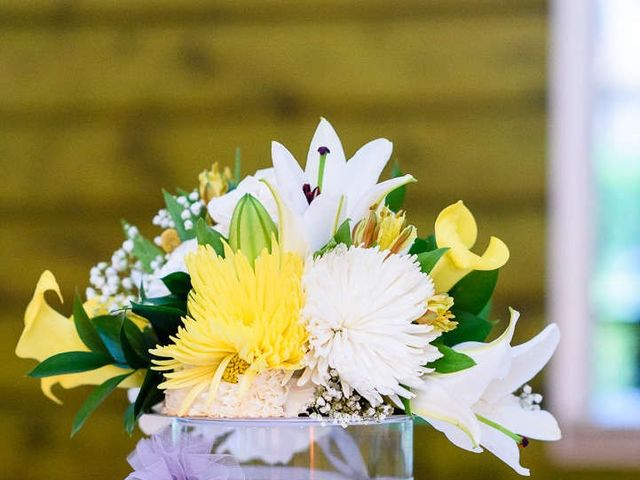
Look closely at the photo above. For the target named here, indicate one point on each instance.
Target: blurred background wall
(104, 103)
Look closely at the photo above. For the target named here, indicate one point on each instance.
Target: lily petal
(326, 136)
(527, 360)
(365, 167)
(536, 424)
(291, 233)
(320, 220)
(455, 419)
(289, 177)
(502, 447)
(375, 195)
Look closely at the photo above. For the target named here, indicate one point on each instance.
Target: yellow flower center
(236, 367)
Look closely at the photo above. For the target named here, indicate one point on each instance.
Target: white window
(594, 240)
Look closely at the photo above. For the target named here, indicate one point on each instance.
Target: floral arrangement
(296, 292)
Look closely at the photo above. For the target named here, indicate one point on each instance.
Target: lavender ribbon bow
(160, 458)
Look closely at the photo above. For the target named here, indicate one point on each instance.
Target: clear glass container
(302, 448)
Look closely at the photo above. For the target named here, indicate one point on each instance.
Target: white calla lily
(499, 418)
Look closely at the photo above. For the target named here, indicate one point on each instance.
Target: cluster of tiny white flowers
(530, 400)
(115, 283)
(192, 208)
(331, 403)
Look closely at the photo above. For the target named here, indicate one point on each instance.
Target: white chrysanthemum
(360, 307)
(268, 396)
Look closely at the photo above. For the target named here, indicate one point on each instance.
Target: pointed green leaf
(178, 283)
(407, 406)
(108, 327)
(424, 245)
(451, 361)
(428, 260)
(164, 319)
(133, 345)
(93, 401)
(395, 199)
(175, 212)
(343, 234)
(474, 290)
(149, 394)
(471, 328)
(70, 362)
(209, 236)
(143, 249)
(130, 419)
(86, 330)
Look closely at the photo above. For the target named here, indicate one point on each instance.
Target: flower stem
(516, 438)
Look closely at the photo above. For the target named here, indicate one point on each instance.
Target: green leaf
(108, 327)
(451, 361)
(130, 419)
(133, 345)
(428, 260)
(423, 245)
(474, 290)
(178, 283)
(165, 320)
(175, 212)
(343, 234)
(145, 251)
(94, 400)
(395, 199)
(471, 328)
(209, 236)
(407, 405)
(86, 330)
(70, 362)
(149, 393)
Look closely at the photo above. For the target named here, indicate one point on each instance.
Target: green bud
(252, 229)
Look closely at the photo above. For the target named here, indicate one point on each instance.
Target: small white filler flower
(360, 307)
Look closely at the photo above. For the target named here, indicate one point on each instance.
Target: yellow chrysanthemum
(242, 321)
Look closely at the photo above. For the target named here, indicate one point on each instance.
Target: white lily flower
(476, 407)
(330, 189)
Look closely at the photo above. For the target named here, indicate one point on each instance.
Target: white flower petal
(291, 233)
(536, 424)
(365, 167)
(326, 136)
(503, 447)
(289, 176)
(527, 360)
(447, 414)
(359, 208)
(320, 220)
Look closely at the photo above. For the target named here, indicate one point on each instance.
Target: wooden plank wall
(104, 103)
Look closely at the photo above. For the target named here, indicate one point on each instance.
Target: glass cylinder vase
(301, 448)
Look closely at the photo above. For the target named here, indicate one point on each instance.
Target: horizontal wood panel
(487, 160)
(226, 69)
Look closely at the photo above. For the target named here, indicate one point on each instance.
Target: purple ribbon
(160, 458)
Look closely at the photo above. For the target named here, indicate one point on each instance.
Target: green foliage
(395, 199)
(175, 211)
(70, 362)
(86, 329)
(133, 345)
(252, 229)
(164, 319)
(148, 396)
(421, 245)
(108, 328)
(470, 328)
(406, 403)
(342, 236)
(473, 292)
(143, 249)
(209, 236)
(451, 361)
(429, 259)
(95, 398)
(179, 284)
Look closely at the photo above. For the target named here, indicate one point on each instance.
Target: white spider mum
(360, 307)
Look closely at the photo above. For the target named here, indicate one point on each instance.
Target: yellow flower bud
(385, 229)
(439, 313)
(214, 183)
(170, 240)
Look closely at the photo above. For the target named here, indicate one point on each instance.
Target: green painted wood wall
(104, 103)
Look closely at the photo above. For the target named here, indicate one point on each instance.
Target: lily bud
(439, 313)
(385, 229)
(252, 229)
(214, 183)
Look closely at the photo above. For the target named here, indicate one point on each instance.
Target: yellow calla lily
(456, 229)
(47, 332)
